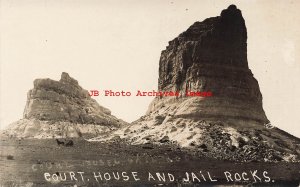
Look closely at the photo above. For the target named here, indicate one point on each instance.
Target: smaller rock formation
(62, 109)
(65, 100)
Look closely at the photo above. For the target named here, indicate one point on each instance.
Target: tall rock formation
(62, 109)
(211, 56)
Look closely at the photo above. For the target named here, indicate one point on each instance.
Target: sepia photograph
(149, 93)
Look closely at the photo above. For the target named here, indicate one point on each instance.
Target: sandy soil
(45, 163)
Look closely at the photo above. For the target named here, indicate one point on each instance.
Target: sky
(116, 44)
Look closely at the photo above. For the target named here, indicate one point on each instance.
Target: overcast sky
(117, 44)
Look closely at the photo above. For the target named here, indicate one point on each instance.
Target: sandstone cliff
(62, 109)
(211, 56)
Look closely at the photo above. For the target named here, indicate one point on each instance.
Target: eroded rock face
(212, 56)
(62, 109)
(206, 49)
(65, 100)
(231, 124)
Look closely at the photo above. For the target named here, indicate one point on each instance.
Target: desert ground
(32, 162)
